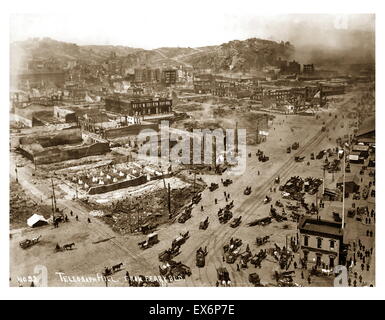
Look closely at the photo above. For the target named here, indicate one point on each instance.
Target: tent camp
(36, 220)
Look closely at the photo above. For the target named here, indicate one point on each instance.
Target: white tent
(36, 220)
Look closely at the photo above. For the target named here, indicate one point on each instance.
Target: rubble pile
(22, 207)
(128, 215)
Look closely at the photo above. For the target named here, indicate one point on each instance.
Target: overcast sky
(182, 25)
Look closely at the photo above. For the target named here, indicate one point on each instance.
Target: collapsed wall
(59, 146)
(55, 154)
(134, 129)
(118, 185)
(56, 138)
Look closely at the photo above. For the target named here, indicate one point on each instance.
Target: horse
(68, 246)
(117, 267)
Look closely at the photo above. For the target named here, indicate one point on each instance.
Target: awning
(353, 157)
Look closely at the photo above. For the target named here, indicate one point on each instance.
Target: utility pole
(323, 184)
(53, 201)
(343, 186)
(236, 138)
(257, 133)
(169, 200)
(343, 193)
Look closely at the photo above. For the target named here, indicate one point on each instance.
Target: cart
(29, 243)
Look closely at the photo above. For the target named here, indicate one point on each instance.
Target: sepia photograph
(192, 148)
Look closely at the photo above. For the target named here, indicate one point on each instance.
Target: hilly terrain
(231, 56)
(234, 56)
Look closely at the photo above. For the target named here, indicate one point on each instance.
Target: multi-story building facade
(169, 76)
(138, 106)
(308, 68)
(321, 242)
(202, 86)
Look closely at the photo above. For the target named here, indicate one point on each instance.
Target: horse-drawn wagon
(203, 225)
(201, 257)
(29, 242)
(151, 240)
(236, 222)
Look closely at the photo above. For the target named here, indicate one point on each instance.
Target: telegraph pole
(343, 191)
(257, 136)
(169, 200)
(53, 201)
(343, 198)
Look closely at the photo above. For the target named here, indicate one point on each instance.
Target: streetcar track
(258, 200)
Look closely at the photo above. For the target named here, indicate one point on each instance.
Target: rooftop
(369, 125)
(349, 178)
(321, 226)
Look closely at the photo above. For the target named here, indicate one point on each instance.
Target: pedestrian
(309, 280)
(355, 283)
(223, 259)
(349, 282)
(360, 278)
(362, 267)
(216, 201)
(89, 220)
(258, 172)
(71, 213)
(201, 208)
(77, 218)
(367, 267)
(128, 278)
(295, 265)
(217, 284)
(238, 269)
(302, 276)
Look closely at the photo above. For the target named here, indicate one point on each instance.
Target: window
(331, 262)
(305, 256)
(319, 243)
(332, 244)
(319, 261)
(306, 241)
